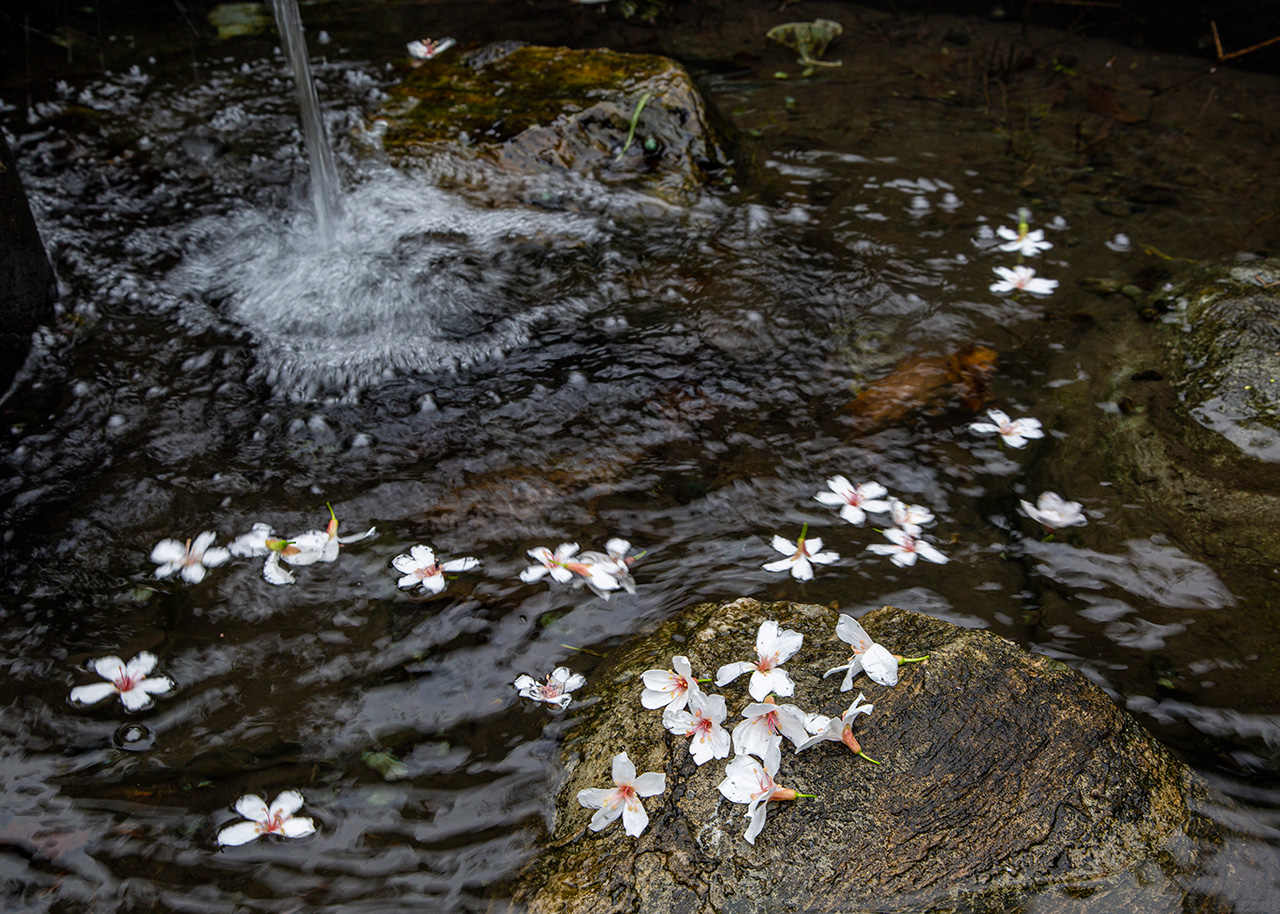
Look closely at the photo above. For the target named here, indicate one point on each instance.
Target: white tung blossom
(773, 647)
(1054, 511)
(624, 799)
(128, 680)
(189, 559)
(276, 819)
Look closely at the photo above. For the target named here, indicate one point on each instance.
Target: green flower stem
(868, 758)
(811, 796)
(913, 659)
(635, 119)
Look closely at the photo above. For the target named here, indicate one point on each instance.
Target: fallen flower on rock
(840, 729)
(191, 559)
(751, 781)
(868, 656)
(672, 688)
(703, 722)
(624, 799)
(773, 647)
(278, 819)
(765, 723)
(555, 691)
(128, 680)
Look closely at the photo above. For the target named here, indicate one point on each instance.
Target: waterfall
(324, 172)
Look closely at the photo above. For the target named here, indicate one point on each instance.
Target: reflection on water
(483, 380)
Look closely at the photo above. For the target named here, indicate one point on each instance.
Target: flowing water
(487, 379)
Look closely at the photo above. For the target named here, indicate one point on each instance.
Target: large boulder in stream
(1002, 773)
(27, 285)
(538, 111)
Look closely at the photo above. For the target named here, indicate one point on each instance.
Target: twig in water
(1223, 57)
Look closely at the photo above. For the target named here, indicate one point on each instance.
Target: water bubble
(133, 738)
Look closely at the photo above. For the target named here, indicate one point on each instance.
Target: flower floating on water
(1054, 511)
(1023, 279)
(552, 563)
(332, 542)
(840, 729)
(904, 546)
(259, 541)
(751, 781)
(189, 560)
(1025, 242)
(703, 722)
(555, 691)
(129, 680)
(277, 819)
(672, 688)
(610, 570)
(909, 517)
(799, 555)
(773, 647)
(854, 501)
(624, 799)
(1014, 432)
(420, 567)
(765, 723)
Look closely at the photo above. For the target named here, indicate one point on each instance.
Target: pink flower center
(125, 683)
(274, 824)
(427, 571)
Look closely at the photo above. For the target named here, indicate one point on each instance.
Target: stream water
(487, 379)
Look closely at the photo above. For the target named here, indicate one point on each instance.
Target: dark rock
(1002, 774)
(535, 111)
(27, 285)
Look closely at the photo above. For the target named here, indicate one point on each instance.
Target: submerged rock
(534, 111)
(27, 284)
(1003, 775)
(1190, 424)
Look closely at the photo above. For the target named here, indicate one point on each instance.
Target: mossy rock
(1004, 776)
(558, 111)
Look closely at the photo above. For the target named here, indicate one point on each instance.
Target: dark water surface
(484, 380)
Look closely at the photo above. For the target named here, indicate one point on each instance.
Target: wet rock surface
(1002, 772)
(1191, 400)
(535, 111)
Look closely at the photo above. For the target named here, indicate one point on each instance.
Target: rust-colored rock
(923, 379)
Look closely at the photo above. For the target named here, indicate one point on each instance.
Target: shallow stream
(485, 379)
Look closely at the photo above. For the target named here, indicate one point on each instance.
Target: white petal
(605, 815)
(853, 514)
(273, 573)
(783, 545)
(409, 580)
(731, 671)
(650, 784)
(779, 565)
(634, 819)
(168, 551)
(156, 685)
(433, 583)
(824, 558)
(850, 631)
(253, 807)
(465, 563)
(880, 665)
(193, 574)
(240, 833)
(310, 548)
(534, 573)
(297, 827)
(594, 797)
(406, 564)
(286, 803)
(357, 537)
(927, 551)
(775, 681)
(785, 644)
(423, 555)
(202, 543)
(624, 772)
(92, 694)
(757, 822)
(112, 667)
(216, 556)
(140, 665)
(801, 570)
